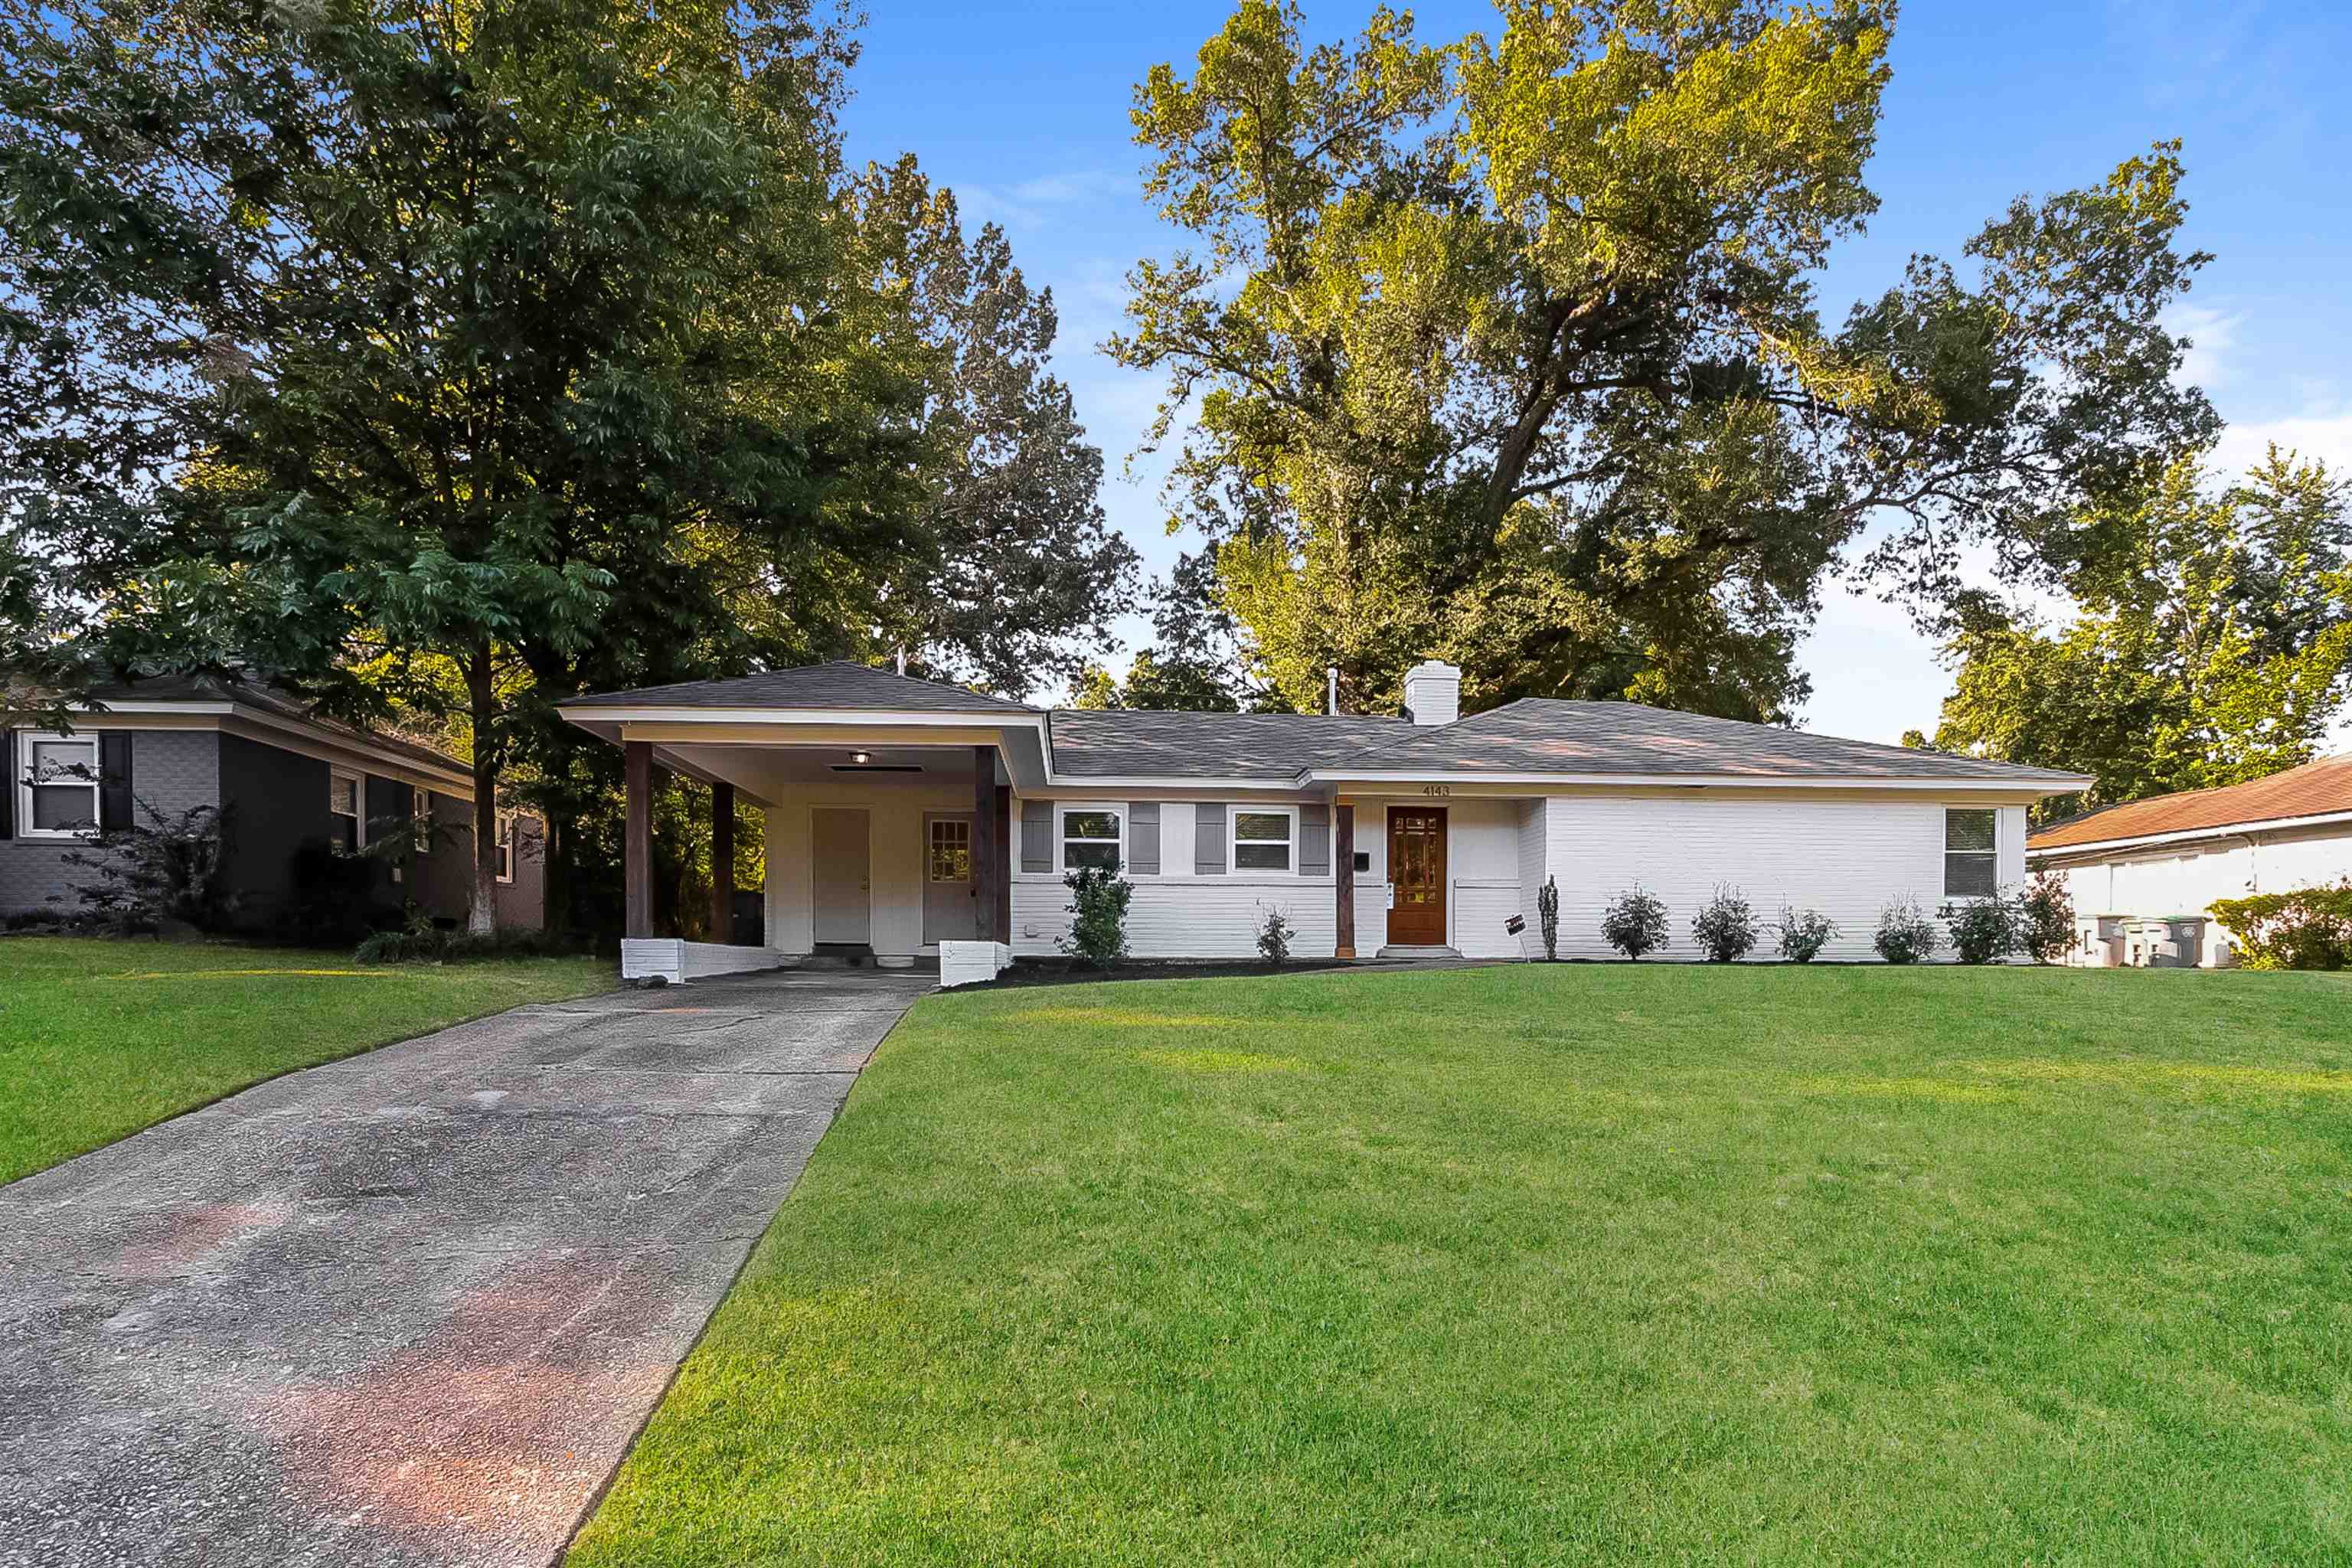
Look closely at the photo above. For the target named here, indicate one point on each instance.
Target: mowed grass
(100, 1038)
(1538, 1264)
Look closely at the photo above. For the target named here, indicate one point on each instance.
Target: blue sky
(1023, 111)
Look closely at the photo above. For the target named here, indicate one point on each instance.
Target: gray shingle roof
(1552, 735)
(839, 684)
(1096, 745)
(267, 699)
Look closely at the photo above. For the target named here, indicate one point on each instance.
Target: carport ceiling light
(859, 757)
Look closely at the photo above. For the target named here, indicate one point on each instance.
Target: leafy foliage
(1803, 935)
(1725, 927)
(1523, 365)
(1906, 933)
(2308, 927)
(1098, 912)
(1274, 934)
(2045, 918)
(168, 868)
(2214, 643)
(1984, 929)
(450, 359)
(1635, 922)
(1547, 914)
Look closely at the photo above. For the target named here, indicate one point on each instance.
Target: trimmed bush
(1634, 924)
(2045, 918)
(1725, 927)
(2309, 928)
(1984, 930)
(1905, 934)
(1802, 936)
(1098, 910)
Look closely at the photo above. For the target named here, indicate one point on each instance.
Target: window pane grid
(1971, 860)
(1090, 840)
(950, 856)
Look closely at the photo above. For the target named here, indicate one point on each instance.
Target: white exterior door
(950, 913)
(840, 878)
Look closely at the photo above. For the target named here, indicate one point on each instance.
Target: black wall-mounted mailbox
(1363, 859)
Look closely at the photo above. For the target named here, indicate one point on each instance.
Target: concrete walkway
(409, 1307)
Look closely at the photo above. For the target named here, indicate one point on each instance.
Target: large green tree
(2213, 645)
(1509, 349)
(449, 357)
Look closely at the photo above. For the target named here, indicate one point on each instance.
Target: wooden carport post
(722, 862)
(637, 840)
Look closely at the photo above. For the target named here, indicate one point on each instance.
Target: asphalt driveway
(408, 1308)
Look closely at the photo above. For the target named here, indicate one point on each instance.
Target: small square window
(1971, 856)
(506, 846)
(1262, 840)
(1090, 839)
(420, 820)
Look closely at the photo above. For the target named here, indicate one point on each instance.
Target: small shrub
(1725, 926)
(1802, 936)
(1905, 934)
(1548, 912)
(1984, 928)
(1098, 910)
(1275, 932)
(420, 941)
(1635, 923)
(168, 869)
(2308, 927)
(2045, 918)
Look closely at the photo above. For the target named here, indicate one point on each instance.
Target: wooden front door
(1417, 876)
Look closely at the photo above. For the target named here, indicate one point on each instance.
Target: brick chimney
(1433, 692)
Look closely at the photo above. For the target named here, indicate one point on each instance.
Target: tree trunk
(481, 696)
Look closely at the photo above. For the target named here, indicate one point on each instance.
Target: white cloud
(2322, 432)
(2213, 333)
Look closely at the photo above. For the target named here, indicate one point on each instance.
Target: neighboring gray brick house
(296, 789)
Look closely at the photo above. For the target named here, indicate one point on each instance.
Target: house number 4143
(1437, 789)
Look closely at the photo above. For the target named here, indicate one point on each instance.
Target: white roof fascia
(1704, 781)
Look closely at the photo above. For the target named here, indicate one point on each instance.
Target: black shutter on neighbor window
(8, 784)
(113, 780)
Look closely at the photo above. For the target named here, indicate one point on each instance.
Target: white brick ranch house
(904, 815)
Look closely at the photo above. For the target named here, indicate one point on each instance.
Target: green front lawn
(1549, 1264)
(100, 1038)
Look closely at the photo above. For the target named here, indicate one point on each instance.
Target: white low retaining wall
(668, 958)
(972, 962)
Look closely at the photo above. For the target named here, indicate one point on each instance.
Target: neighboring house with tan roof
(300, 791)
(911, 820)
(2171, 856)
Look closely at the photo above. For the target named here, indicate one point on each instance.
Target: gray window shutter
(1036, 836)
(1143, 837)
(113, 780)
(1209, 840)
(1314, 840)
(8, 784)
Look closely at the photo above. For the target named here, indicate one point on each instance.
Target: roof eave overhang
(301, 736)
(2094, 847)
(1353, 777)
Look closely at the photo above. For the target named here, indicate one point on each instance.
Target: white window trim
(420, 819)
(1992, 853)
(1234, 813)
(1062, 810)
(503, 825)
(358, 801)
(21, 763)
